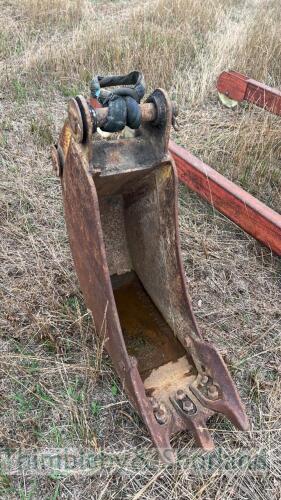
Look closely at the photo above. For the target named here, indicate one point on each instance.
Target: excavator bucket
(120, 203)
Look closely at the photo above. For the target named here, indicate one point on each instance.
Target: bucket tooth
(218, 393)
(201, 434)
(193, 415)
(120, 203)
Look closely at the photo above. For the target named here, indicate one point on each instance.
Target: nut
(188, 405)
(213, 392)
(161, 415)
(185, 402)
(202, 380)
(180, 395)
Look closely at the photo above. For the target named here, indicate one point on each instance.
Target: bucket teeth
(187, 409)
(202, 435)
(167, 455)
(216, 391)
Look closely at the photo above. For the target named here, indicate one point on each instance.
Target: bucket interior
(147, 335)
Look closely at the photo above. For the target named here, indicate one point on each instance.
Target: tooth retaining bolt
(180, 395)
(213, 392)
(187, 405)
(161, 415)
(203, 380)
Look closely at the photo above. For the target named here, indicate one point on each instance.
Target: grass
(58, 389)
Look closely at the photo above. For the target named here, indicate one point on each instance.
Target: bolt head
(161, 415)
(213, 392)
(188, 405)
(180, 395)
(203, 379)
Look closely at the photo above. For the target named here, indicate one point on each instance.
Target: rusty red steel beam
(245, 210)
(242, 88)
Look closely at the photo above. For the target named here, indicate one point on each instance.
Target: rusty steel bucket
(120, 202)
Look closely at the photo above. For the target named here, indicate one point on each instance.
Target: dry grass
(55, 391)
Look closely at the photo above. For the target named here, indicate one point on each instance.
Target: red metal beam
(241, 88)
(250, 214)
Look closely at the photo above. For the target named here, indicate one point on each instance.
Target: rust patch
(147, 335)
